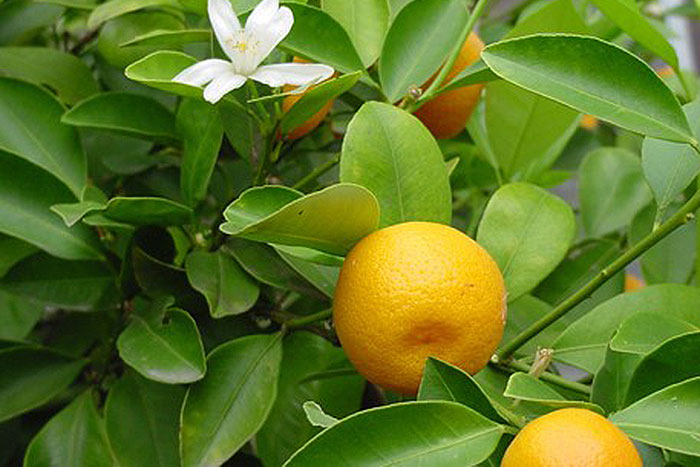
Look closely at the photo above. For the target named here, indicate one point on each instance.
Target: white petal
(202, 72)
(224, 22)
(222, 85)
(298, 74)
(268, 30)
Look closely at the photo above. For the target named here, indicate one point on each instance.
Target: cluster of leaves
(158, 306)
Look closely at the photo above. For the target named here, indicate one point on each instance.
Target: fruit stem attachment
(684, 215)
(444, 71)
(549, 377)
(317, 172)
(309, 319)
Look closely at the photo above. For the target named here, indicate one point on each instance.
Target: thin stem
(317, 172)
(683, 216)
(269, 156)
(261, 108)
(447, 67)
(310, 319)
(551, 378)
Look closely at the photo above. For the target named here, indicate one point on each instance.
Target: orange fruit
(446, 115)
(415, 290)
(571, 438)
(633, 283)
(589, 122)
(311, 124)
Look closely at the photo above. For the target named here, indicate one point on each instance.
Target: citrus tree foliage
(167, 264)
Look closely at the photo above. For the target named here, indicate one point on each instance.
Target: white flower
(247, 47)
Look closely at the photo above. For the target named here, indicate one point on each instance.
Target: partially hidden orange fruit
(571, 437)
(446, 115)
(589, 122)
(633, 283)
(415, 290)
(311, 124)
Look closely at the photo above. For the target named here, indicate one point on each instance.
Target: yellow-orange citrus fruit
(415, 290)
(589, 122)
(311, 124)
(633, 283)
(447, 115)
(571, 438)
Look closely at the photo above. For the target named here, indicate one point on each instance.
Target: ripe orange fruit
(415, 290)
(311, 124)
(633, 283)
(589, 122)
(447, 115)
(571, 437)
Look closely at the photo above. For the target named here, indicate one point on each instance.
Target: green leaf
(125, 113)
(670, 167)
(522, 313)
(523, 386)
(31, 377)
(313, 100)
(75, 436)
(309, 254)
(12, 251)
(71, 285)
(419, 40)
(627, 16)
(320, 276)
(594, 77)
(114, 8)
(528, 231)
(330, 220)
(445, 382)
(475, 73)
(165, 348)
(286, 428)
(21, 20)
(611, 381)
(141, 418)
(643, 332)
(667, 418)
(231, 403)
(611, 191)
(129, 210)
(583, 343)
(228, 288)
(159, 68)
(167, 38)
(392, 154)
(317, 37)
(17, 316)
(30, 128)
(26, 211)
(316, 416)
(62, 72)
(202, 132)
(669, 363)
(451, 435)
(559, 16)
(366, 22)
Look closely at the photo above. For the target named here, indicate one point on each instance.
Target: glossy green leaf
(62, 72)
(611, 381)
(30, 128)
(159, 68)
(20, 20)
(669, 363)
(164, 348)
(667, 418)
(124, 112)
(331, 220)
(316, 416)
(315, 99)
(451, 435)
(419, 40)
(559, 16)
(594, 77)
(612, 190)
(317, 37)
(229, 290)
(70, 285)
(286, 428)
(528, 231)
(17, 316)
(475, 73)
(670, 167)
(366, 22)
(311, 255)
(129, 210)
(26, 211)
(167, 38)
(202, 132)
(445, 382)
(321, 276)
(583, 343)
(114, 8)
(12, 251)
(231, 403)
(643, 332)
(141, 418)
(31, 377)
(526, 387)
(627, 16)
(78, 4)
(392, 154)
(74, 436)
